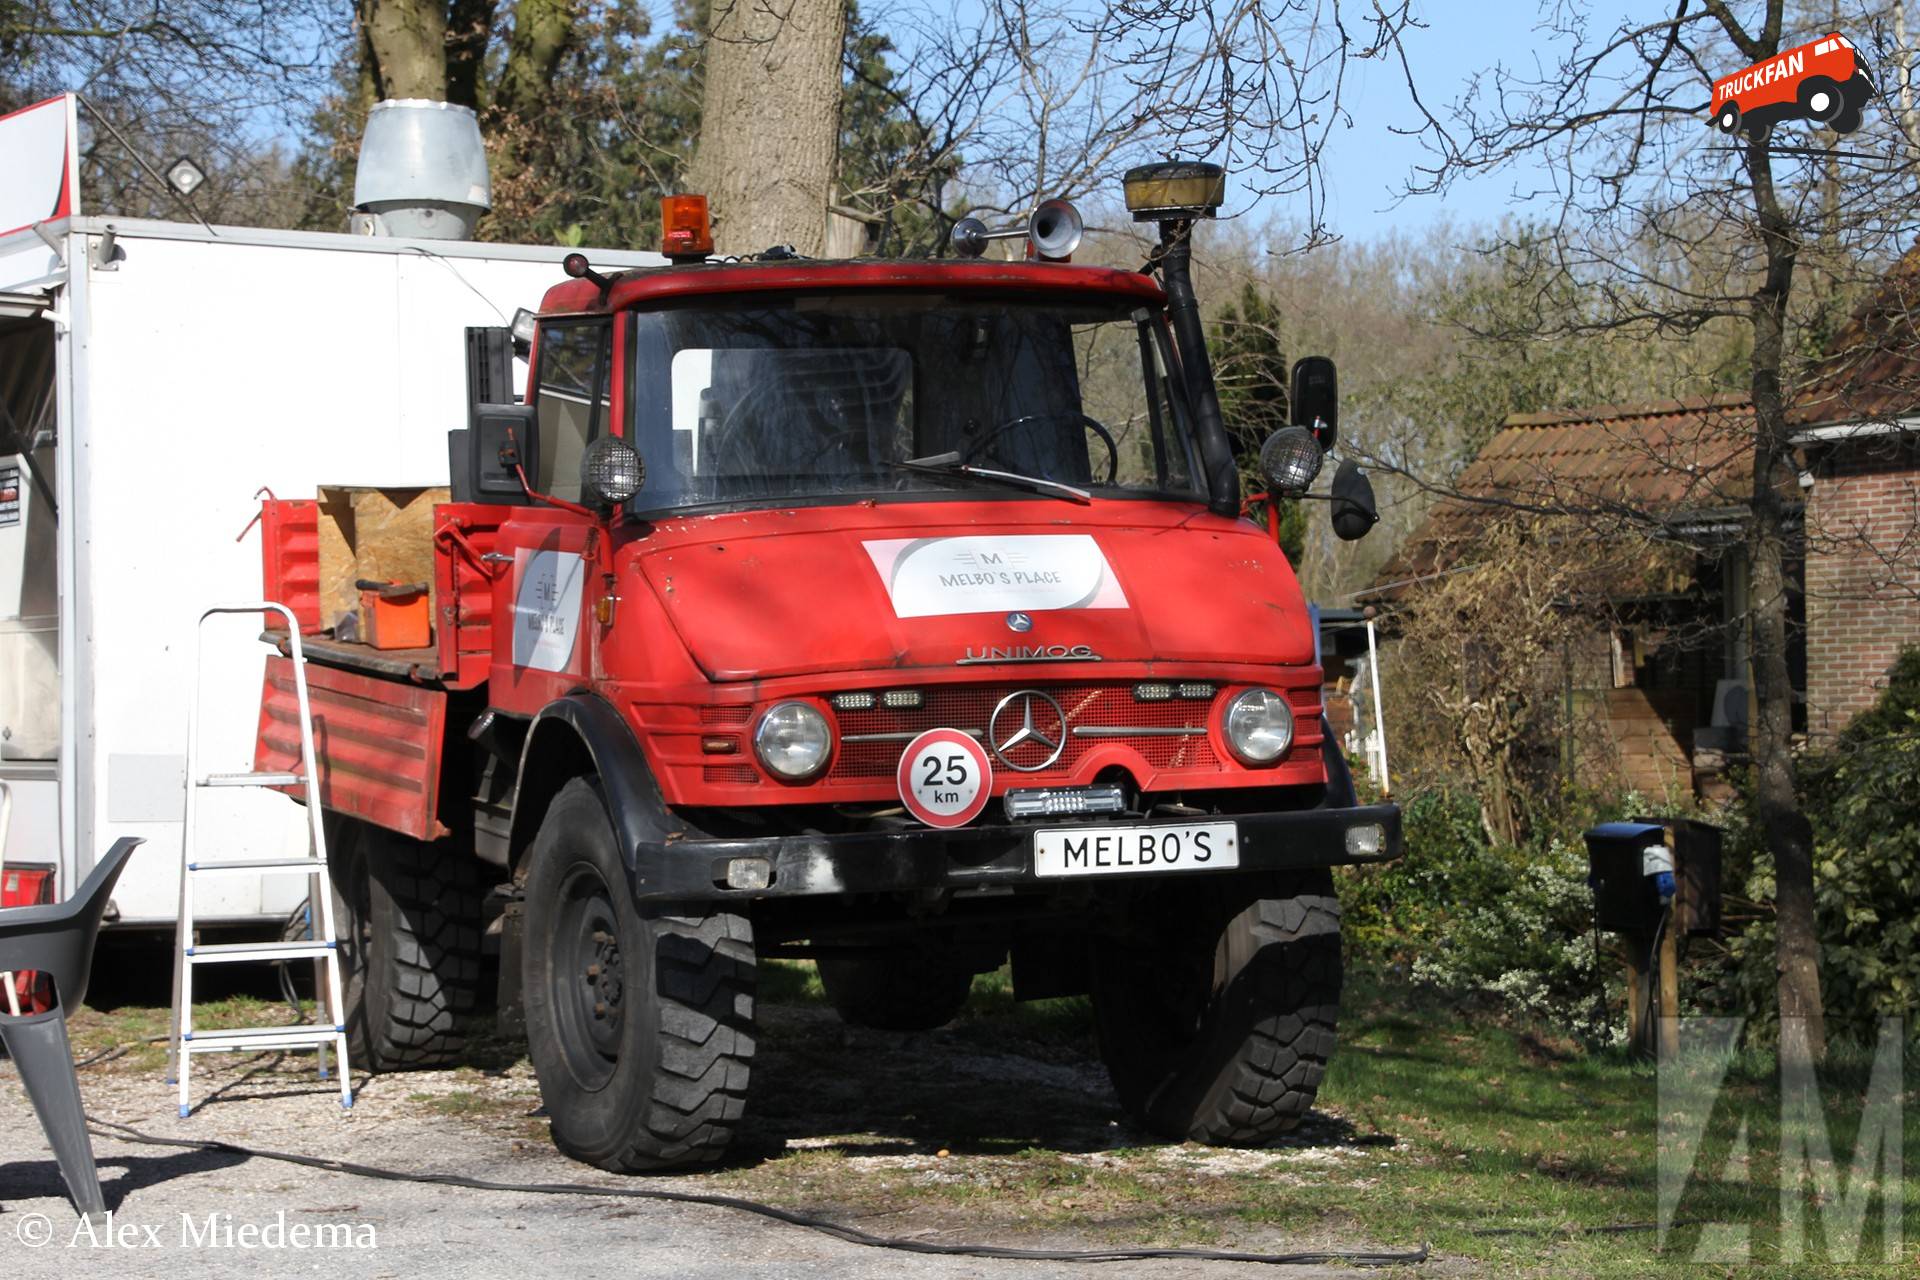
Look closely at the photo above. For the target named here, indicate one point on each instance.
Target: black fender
(580, 736)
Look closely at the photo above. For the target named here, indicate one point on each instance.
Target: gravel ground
(194, 1207)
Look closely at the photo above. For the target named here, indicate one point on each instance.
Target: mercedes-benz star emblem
(1019, 622)
(1040, 723)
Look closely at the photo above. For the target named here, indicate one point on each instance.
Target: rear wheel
(1216, 1011)
(408, 918)
(1821, 99)
(895, 990)
(1728, 121)
(639, 1021)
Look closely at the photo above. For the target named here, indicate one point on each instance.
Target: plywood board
(385, 535)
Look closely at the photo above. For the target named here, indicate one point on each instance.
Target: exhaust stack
(422, 173)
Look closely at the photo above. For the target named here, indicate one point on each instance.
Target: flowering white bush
(1529, 945)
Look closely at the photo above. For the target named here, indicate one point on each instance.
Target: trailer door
(29, 589)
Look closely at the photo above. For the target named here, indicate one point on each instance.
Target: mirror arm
(526, 486)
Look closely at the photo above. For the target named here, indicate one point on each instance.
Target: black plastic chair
(58, 940)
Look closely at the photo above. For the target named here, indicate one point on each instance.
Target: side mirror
(1354, 511)
(505, 442)
(1314, 398)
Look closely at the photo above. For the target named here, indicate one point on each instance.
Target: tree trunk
(1903, 59)
(469, 23)
(770, 127)
(409, 43)
(1788, 834)
(542, 30)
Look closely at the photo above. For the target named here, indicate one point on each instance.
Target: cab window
(572, 388)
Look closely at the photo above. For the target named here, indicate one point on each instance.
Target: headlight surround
(1259, 726)
(793, 740)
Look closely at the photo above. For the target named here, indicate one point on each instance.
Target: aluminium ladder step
(300, 1035)
(281, 779)
(306, 864)
(238, 952)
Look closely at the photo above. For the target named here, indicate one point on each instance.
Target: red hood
(793, 592)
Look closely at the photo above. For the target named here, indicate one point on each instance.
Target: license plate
(1105, 851)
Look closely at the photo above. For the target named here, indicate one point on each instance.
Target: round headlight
(611, 470)
(1259, 726)
(793, 741)
(1290, 459)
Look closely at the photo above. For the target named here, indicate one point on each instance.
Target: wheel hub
(587, 976)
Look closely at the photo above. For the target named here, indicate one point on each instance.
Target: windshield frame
(653, 506)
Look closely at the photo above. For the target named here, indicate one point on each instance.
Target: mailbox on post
(1654, 880)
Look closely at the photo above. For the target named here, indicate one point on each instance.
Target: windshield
(823, 396)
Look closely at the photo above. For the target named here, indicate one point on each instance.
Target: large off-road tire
(408, 918)
(640, 1020)
(1216, 1009)
(895, 990)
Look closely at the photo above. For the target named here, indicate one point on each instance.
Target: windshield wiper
(949, 465)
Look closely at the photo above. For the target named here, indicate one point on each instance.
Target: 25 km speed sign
(945, 778)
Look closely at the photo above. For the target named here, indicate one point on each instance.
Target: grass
(1494, 1143)
(1501, 1146)
(136, 1035)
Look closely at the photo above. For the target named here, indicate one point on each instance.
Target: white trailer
(156, 376)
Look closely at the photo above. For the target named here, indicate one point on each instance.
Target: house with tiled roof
(1665, 666)
(1857, 429)
(1660, 669)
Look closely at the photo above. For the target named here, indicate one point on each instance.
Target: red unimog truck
(900, 615)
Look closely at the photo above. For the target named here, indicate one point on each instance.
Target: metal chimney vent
(423, 171)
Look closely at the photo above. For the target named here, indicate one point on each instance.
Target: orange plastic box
(395, 615)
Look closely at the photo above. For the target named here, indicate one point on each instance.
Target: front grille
(887, 733)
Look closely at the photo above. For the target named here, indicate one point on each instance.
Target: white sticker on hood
(932, 577)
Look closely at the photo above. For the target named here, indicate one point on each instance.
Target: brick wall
(1863, 574)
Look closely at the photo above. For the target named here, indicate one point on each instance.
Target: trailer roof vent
(423, 171)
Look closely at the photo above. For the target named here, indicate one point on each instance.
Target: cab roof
(638, 287)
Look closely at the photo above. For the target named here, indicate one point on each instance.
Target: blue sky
(1366, 164)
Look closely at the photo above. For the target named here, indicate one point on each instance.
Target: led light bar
(1153, 691)
(860, 700)
(1051, 802)
(1195, 689)
(902, 699)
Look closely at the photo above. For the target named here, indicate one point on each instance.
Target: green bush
(1468, 919)
(1863, 798)
(1472, 920)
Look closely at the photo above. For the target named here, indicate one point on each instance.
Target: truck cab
(896, 615)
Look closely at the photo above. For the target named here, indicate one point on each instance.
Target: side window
(572, 388)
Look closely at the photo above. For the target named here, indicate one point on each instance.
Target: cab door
(544, 600)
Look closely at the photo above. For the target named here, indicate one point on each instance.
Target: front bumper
(922, 858)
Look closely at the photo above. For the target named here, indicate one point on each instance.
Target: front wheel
(639, 1022)
(1216, 1007)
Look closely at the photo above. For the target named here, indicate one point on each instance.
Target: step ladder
(329, 1030)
